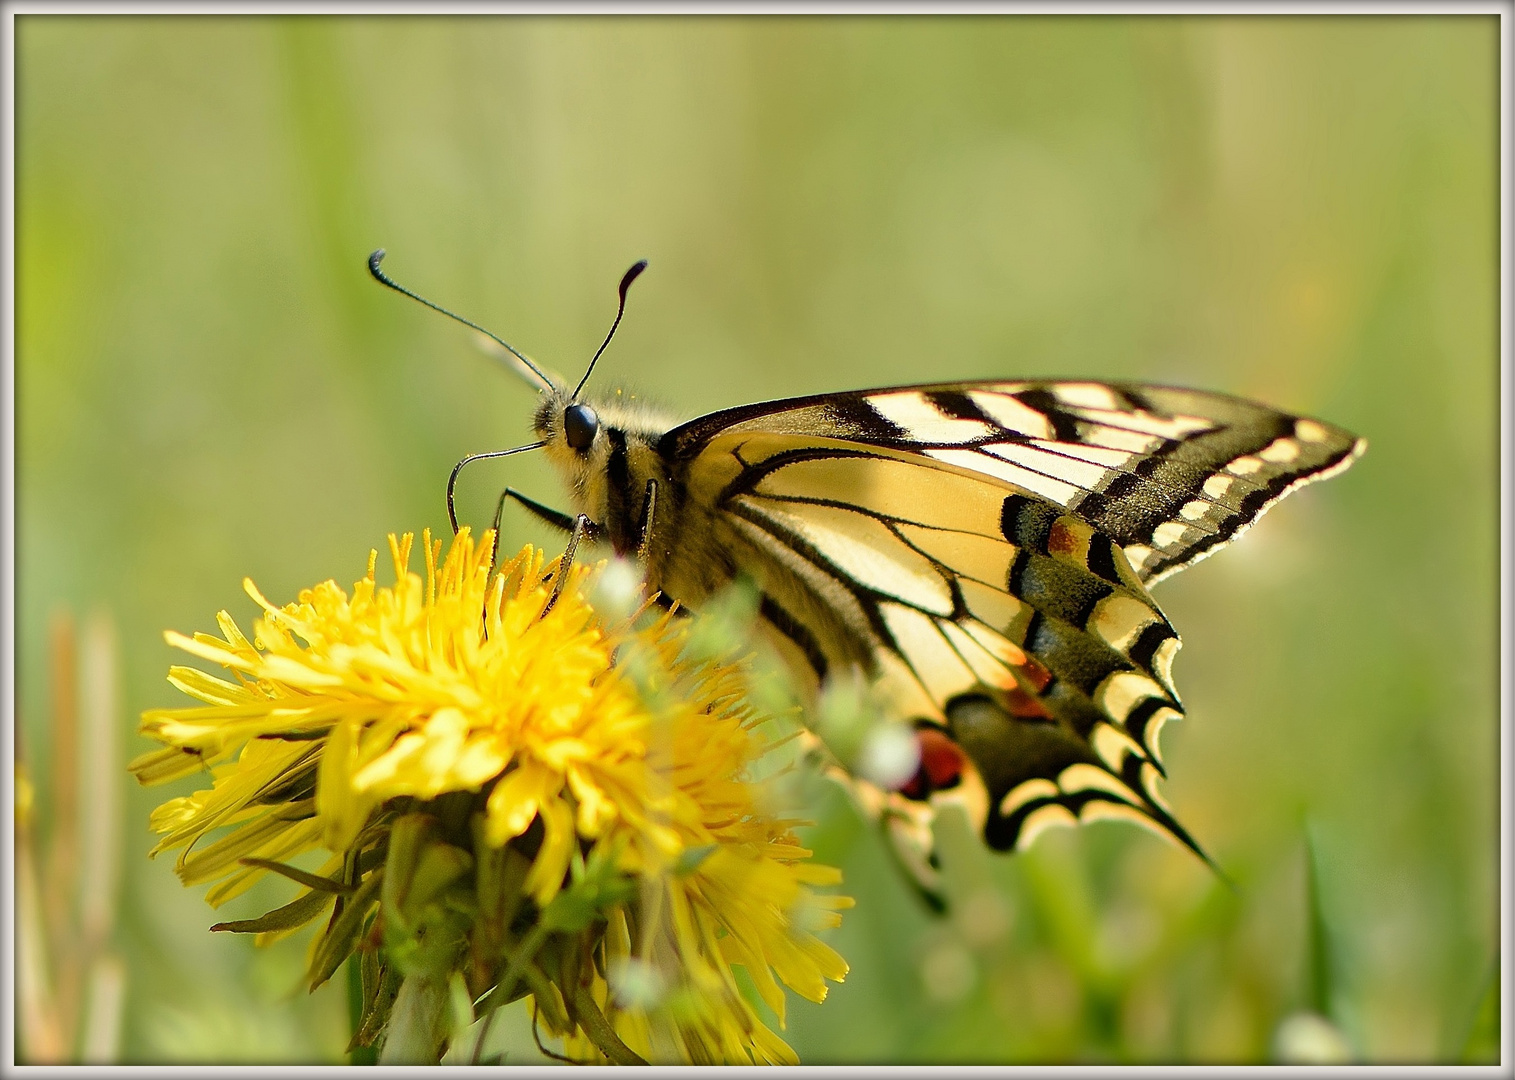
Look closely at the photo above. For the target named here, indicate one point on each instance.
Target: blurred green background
(1302, 210)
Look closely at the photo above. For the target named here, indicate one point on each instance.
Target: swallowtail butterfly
(983, 551)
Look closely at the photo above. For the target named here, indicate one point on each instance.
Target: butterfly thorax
(615, 463)
(644, 501)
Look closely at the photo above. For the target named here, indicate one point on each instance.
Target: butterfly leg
(546, 513)
(649, 506)
(499, 512)
(542, 512)
(581, 527)
(556, 518)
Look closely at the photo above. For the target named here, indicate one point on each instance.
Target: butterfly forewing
(1170, 474)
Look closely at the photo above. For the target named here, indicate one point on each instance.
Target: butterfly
(982, 551)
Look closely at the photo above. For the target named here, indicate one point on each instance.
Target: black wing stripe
(1145, 721)
(795, 631)
(1144, 649)
(1027, 522)
(1022, 826)
(960, 406)
(856, 414)
(1102, 558)
(1064, 425)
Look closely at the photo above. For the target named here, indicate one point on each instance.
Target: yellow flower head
(510, 793)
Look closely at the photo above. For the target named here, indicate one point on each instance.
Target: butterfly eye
(580, 425)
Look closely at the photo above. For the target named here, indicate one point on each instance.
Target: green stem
(588, 1014)
(478, 1044)
(361, 1055)
(519, 961)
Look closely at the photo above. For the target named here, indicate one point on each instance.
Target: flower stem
(519, 962)
(588, 1014)
(360, 1055)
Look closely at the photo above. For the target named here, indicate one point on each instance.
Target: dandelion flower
(514, 799)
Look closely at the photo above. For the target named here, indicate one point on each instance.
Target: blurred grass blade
(58, 855)
(1319, 988)
(41, 1039)
(101, 769)
(1482, 1046)
(62, 833)
(100, 1042)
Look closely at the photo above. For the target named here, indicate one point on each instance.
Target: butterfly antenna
(452, 481)
(384, 279)
(626, 280)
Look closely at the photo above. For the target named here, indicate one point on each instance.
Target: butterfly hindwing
(969, 599)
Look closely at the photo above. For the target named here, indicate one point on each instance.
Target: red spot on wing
(1062, 539)
(1026, 706)
(942, 762)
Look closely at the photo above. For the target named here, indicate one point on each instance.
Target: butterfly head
(576, 427)
(583, 432)
(576, 440)
(570, 430)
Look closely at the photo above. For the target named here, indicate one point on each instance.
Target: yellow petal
(514, 801)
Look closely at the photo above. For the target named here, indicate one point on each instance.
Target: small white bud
(1307, 1038)
(617, 590)
(889, 756)
(636, 983)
